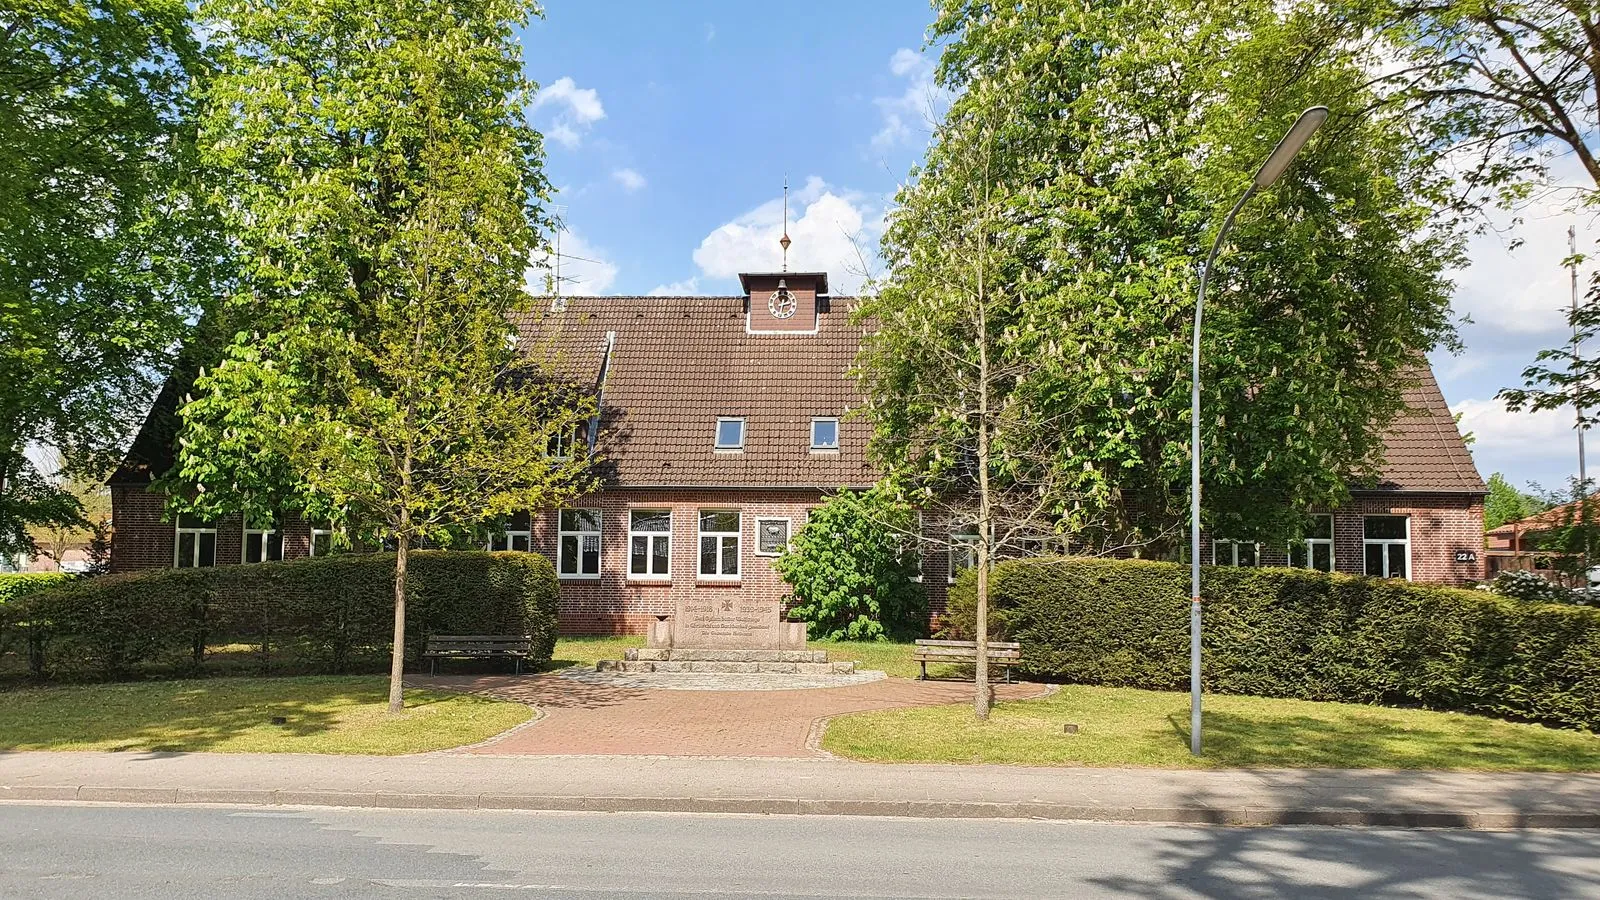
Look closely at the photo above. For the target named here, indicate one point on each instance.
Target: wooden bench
(476, 646)
(1001, 653)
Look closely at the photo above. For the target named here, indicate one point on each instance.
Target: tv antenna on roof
(558, 216)
(784, 241)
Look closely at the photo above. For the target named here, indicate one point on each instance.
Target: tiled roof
(1423, 450)
(679, 363)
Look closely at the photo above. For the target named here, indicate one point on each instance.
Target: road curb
(925, 809)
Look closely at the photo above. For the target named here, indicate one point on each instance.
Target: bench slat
(955, 651)
(479, 637)
(1003, 645)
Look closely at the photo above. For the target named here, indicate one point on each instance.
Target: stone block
(648, 653)
(813, 668)
(718, 666)
(779, 668)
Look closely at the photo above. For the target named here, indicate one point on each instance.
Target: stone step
(712, 666)
(683, 654)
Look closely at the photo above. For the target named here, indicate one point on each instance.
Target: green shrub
(20, 584)
(1531, 587)
(1298, 634)
(851, 570)
(324, 615)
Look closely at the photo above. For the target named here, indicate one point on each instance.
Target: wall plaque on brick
(718, 619)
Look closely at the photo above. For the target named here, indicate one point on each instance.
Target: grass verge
(234, 715)
(1126, 727)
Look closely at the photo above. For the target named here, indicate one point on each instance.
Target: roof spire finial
(784, 241)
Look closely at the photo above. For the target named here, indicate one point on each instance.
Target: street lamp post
(1266, 176)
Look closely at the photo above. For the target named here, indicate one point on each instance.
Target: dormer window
(563, 444)
(730, 434)
(824, 434)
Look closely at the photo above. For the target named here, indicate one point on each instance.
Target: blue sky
(670, 127)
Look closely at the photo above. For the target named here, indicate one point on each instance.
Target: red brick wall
(1441, 524)
(616, 604)
(141, 540)
(144, 535)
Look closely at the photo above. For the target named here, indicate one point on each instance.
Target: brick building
(724, 419)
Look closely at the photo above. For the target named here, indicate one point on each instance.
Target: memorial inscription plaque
(715, 620)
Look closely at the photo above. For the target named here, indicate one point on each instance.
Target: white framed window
(730, 434)
(1387, 546)
(1315, 551)
(517, 535)
(263, 542)
(564, 443)
(963, 549)
(650, 544)
(578, 543)
(719, 544)
(321, 540)
(772, 535)
(825, 434)
(1241, 554)
(196, 543)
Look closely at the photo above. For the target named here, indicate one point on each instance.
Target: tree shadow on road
(1364, 863)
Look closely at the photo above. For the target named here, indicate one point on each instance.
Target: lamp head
(1290, 146)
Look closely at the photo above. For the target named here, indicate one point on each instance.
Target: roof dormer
(783, 302)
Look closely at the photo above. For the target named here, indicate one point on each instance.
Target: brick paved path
(584, 719)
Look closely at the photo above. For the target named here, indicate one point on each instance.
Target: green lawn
(234, 715)
(586, 651)
(1125, 727)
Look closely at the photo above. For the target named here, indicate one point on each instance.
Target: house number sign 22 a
(1466, 556)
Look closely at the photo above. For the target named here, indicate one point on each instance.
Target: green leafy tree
(1031, 332)
(853, 568)
(1127, 129)
(1506, 503)
(1503, 88)
(385, 190)
(945, 374)
(103, 251)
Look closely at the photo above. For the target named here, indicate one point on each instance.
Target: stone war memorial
(726, 631)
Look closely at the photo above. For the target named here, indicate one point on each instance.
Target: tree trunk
(980, 680)
(397, 658)
(980, 703)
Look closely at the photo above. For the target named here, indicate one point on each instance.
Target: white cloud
(1521, 444)
(1523, 291)
(629, 179)
(916, 108)
(576, 110)
(1517, 299)
(585, 268)
(688, 287)
(826, 226)
(711, 32)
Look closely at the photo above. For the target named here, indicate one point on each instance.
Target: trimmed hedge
(327, 615)
(17, 584)
(14, 585)
(1297, 634)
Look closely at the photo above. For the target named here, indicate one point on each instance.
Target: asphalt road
(239, 853)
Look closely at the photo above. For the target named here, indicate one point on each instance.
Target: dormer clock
(782, 304)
